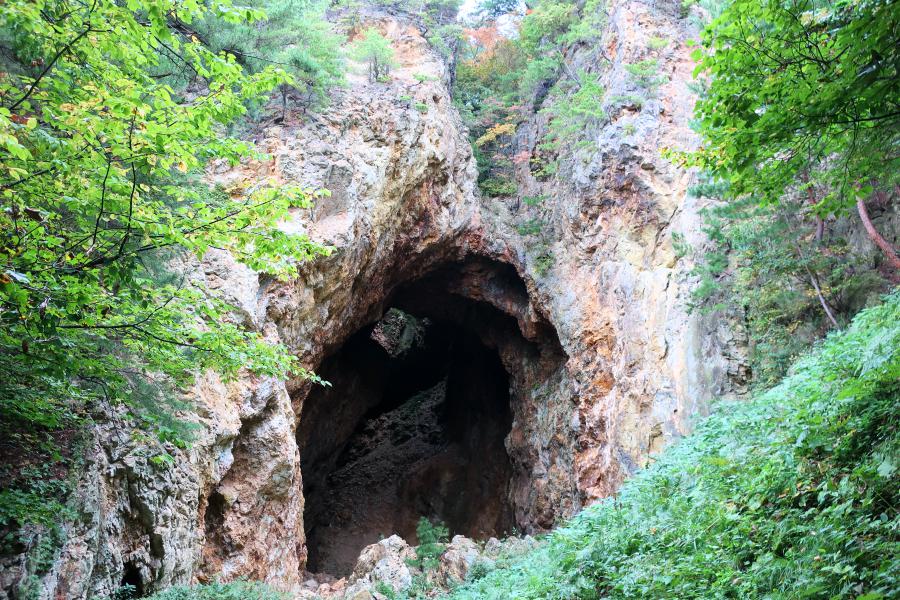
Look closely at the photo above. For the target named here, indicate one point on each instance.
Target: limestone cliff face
(616, 289)
(604, 363)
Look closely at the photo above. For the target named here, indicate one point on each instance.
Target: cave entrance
(415, 421)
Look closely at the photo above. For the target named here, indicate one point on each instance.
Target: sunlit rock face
(525, 389)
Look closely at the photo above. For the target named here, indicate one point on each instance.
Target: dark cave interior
(415, 420)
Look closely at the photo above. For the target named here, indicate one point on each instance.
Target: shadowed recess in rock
(417, 418)
(132, 585)
(399, 437)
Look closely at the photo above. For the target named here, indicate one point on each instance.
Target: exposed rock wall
(616, 289)
(627, 369)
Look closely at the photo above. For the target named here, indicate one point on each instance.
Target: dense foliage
(503, 78)
(102, 214)
(803, 89)
(234, 590)
(766, 264)
(800, 123)
(791, 495)
(294, 36)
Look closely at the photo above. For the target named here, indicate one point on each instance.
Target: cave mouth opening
(414, 423)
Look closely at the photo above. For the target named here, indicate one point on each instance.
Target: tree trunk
(889, 253)
(814, 280)
(815, 283)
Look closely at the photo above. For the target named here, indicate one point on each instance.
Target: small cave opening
(214, 516)
(132, 584)
(414, 423)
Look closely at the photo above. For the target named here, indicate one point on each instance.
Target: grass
(791, 495)
(235, 590)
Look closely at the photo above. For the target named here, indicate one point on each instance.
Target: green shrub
(479, 569)
(385, 590)
(681, 247)
(423, 77)
(646, 73)
(375, 50)
(543, 262)
(546, 24)
(591, 24)
(235, 590)
(498, 186)
(570, 114)
(790, 495)
(295, 35)
(657, 43)
(530, 227)
(432, 542)
(445, 38)
(627, 100)
(758, 261)
(534, 200)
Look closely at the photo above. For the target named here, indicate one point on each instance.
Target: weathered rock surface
(385, 561)
(605, 364)
(389, 564)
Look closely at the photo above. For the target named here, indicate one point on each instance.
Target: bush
(543, 262)
(627, 100)
(534, 200)
(646, 73)
(235, 590)
(571, 114)
(530, 227)
(496, 186)
(295, 35)
(657, 42)
(375, 50)
(762, 260)
(432, 542)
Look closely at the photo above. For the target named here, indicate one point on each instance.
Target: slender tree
(375, 50)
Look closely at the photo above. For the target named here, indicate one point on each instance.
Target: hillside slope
(791, 495)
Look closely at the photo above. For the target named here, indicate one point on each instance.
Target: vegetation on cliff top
(790, 495)
(794, 97)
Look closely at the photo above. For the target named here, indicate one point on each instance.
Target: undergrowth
(234, 590)
(791, 495)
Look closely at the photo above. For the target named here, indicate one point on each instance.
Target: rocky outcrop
(604, 363)
(390, 566)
